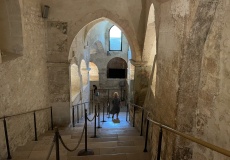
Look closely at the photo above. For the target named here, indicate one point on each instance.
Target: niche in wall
(11, 38)
(117, 68)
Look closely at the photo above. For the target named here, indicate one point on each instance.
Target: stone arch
(114, 18)
(94, 72)
(11, 33)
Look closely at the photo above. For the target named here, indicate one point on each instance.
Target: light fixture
(45, 11)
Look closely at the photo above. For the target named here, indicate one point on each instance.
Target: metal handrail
(73, 112)
(35, 126)
(191, 138)
(24, 113)
(80, 104)
(138, 106)
(194, 139)
(107, 89)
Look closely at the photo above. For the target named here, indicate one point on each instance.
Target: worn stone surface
(24, 82)
(57, 41)
(212, 113)
(190, 68)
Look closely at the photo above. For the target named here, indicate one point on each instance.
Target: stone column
(141, 81)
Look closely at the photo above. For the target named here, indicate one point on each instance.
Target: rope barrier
(93, 118)
(64, 145)
(51, 148)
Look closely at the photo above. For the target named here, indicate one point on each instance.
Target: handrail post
(108, 109)
(134, 113)
(127, 112)
(77, 113)
(85, 130)
(89, 108)
(103, 113)
(86, 151)
(7, 140)
(73, 116)
(159, 145)
(146, 137)
(108, 95)
(99, 110)
(51, 116)
(142, 119)
(35, 128)
(95, 124)
(57, 143)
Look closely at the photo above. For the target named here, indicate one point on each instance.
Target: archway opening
(117, 68)
(75, 82)
(93, 73)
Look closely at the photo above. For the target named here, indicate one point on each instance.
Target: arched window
(115, 39)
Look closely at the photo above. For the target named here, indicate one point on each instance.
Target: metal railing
(73, 112)
(35, 126)
(122, 92)
(85, 151)
(165, 127)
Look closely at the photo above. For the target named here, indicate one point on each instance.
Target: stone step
(40, 152)
(116, 140)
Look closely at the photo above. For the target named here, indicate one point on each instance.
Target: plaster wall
(24, 82)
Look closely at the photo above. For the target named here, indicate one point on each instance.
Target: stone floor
(117, 140)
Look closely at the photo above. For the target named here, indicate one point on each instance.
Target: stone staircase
(116, 141)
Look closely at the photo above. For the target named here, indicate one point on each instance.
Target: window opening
(115, 39)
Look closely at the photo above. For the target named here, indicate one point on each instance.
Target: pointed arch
(121, 22)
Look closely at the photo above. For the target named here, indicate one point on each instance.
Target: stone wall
(128, 16)
(212, 112)
(191, 91)
(24, 82)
